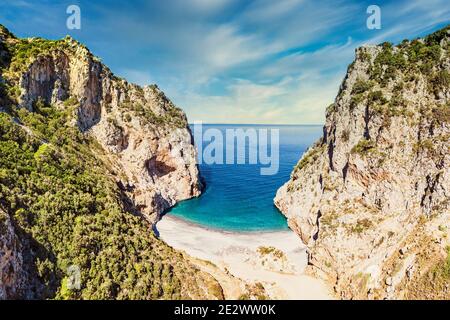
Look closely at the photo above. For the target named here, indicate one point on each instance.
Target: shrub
(376, 97)
(356, 100)
(441, 80)
(309, 157)
(71, 101)
(345, 135)
(330, 109)
(361, 86)
(66, 206)
(364, 146)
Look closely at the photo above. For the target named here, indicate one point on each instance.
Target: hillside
(88, 162)
(371, 197)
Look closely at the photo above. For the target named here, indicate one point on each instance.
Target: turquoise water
(237, 197)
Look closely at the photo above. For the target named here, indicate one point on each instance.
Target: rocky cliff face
(371, 198)
(10, 261)
(137, 138)
(146, 137)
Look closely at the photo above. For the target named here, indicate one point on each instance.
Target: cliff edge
(371, 197)
(84, 157)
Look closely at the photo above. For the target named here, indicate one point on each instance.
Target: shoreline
(219, 230)
(276, 259)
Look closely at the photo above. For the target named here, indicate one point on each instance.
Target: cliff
(146, 136)
(371, 197)
(84, 156)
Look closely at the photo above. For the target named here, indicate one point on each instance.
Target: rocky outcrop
(378, 181)
(137, 137)
(146, 137)
(10, 260)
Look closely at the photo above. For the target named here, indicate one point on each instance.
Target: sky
(231, 61)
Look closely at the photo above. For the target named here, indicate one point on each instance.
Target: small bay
(237, 197)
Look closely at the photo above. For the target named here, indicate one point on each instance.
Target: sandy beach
(275, 259)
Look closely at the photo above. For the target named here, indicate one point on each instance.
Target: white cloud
(263, 61)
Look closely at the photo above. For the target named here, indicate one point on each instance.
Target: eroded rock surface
(139, 139)
(378, 181)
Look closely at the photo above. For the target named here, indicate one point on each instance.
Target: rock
(381, 169)
(410, 272)
(140, 138)
(388, 281)
(403, 250)
(145, 136)
(10, 260)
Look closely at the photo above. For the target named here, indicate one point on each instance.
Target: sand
(281, 272)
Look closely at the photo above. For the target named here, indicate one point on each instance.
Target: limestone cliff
(371, 197)
(84, 155)
(146, 136)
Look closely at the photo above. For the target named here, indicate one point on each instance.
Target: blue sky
(231, 61)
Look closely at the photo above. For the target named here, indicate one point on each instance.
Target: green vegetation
(71, 101)
(365, 56)
(24, 51)
(330, 220)
(263, 251)
(356, 100)
(424, 145)
(434, 283)
(441, 272)
(364, 146)
(330, 109)
(65, 205)
(173, 115)
(361, 86)
(439, 81)
(68, 212)
(376, 97)
(310, 156)
(412, 59)
(386, 63)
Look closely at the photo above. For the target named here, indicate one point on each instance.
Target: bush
(364, 146)
(67, 212)
(71, 101)
(361, 86)
(376, 97)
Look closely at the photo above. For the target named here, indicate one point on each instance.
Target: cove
(237, 197)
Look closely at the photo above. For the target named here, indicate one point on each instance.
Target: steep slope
(84, 156)
(371, 197)
(146, 136)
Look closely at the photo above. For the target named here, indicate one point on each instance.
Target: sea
(237, 197)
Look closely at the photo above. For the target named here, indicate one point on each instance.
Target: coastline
(276, 259)
(219, 230)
